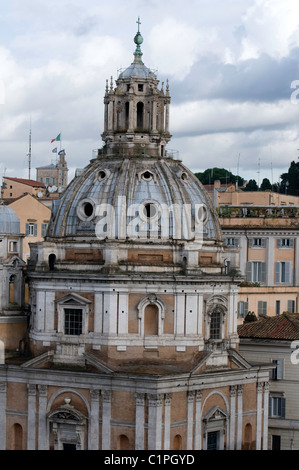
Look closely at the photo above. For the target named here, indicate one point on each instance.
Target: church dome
(160, 191)
(9, 221)
(135, 190)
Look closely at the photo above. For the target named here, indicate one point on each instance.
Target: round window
(86, 210)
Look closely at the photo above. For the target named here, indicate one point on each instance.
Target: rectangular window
(285, 243)
(277, 307)
(231, 242)
(13, 247)
(31, 229)
(72, 321)
(256, 271)
(275, 442)
(242, 309)
(283, 272)
(257, 242)
(291, 306)
(215, 325)
(277, 407)
(140, 87)
(262, 307)
(277, 373)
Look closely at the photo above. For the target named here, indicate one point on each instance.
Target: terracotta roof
(285, 327)
(33, 183)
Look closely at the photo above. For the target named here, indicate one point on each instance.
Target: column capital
(95, 394)
(31, 389)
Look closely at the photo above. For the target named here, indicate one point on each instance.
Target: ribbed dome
(160, 189)
(137, 70)
(9, 221)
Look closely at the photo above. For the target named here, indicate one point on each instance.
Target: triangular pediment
(73, 299)
(15, 261)
(215, 414)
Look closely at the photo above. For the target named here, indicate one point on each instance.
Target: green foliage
(266, 185)
(290, 180)
(224, 176)
(251, 186)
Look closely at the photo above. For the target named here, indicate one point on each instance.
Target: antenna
(258, 171)
(29, 153)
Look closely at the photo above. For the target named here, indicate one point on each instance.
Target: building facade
(276, 339)
(55, 174)
(132, 340)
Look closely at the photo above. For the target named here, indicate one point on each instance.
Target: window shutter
(283, 407)
(279, 369)
(263, 272)
(291, 306)
(277, 272)
(35, 230)
(259, 307)
(291, 243)
(249, 271)
(263, 242)
(287, 271)
(278, 241)
(27, 229)
(236, 242)
(250, 242)
(270, 406)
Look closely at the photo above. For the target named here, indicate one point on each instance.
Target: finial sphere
(138, 39)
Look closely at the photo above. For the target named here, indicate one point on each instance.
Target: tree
(224, 176)
(290, 180)
(266, 185)
(251, 186)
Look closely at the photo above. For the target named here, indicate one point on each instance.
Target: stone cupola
(136, 111)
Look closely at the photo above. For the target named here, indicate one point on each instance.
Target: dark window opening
(67, 446)
(140, 87)
(52, 259)
(149, 210)
(213, 439)
(127, 115)
(88, 209)
(147, 175)
(102, 174)
(73, 321)
(140, 107)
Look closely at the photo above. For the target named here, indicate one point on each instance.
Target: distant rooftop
(280, 327)
(32, 183)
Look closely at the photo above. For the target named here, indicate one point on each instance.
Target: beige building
(262, 230)
(13, 188)
(276, 340)
(133, 320)
(55, 174)
(34, 219)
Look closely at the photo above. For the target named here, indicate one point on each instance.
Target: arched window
(140, 107)
(248, 437)
(52, 259)
(123, 442)
(151, 320)
(127, 111)
(17, 437)
(177, 442)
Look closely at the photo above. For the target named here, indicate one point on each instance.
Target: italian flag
(57, 139)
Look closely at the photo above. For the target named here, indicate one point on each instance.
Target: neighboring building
(55, 174)
(133, 330)
(276, 340)
(13, 188)
(265, 239)
(34, 219)
(13, 322)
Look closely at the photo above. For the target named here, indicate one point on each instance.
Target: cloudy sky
(232, 65)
